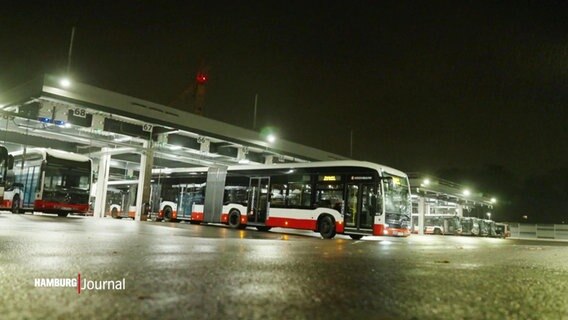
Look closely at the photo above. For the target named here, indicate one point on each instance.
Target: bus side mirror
(10, 162)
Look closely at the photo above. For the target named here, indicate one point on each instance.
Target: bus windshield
(59, 177)
(397, 196)
(66, 174)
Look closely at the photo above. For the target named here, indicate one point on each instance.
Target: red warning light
(201, 78)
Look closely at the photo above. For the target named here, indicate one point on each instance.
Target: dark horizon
(473, 93)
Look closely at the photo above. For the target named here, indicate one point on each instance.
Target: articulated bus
(48, 181)
(345, 197)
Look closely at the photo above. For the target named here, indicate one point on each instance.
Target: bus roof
(54, 153)
(318, 164)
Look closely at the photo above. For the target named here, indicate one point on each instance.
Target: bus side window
(198, 197)
(324, 203)
(294, 196)
(330, 196)
(226, 196)
(299, 195)
(277, 195)
(306, 195)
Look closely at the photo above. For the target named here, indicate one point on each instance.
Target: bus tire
(356, 236)
(234, 220)
(62, 214)
(194, 222)
(168, 212)
(114, 213)
(263, 228)
(326, 227)
(16, 204)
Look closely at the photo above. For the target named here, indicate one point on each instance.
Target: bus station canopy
(85, 119)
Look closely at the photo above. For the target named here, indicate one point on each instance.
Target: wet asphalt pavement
(183, 271)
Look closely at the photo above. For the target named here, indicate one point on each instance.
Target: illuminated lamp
(65, 82)
(201, 78)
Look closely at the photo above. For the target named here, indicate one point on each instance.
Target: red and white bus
(6, 176)
(49, 181)
(337, 197)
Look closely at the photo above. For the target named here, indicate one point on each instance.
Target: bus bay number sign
(147, 127)
(80, 112)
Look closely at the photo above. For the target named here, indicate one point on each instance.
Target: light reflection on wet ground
(195, 271)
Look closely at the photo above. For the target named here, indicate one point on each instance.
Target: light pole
(351, 143)
(65, 82)
(70, 50)
(254, 113)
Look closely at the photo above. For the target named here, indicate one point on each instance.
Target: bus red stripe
(291, 223)
(6, 204)
(197, 216)
(50, 205)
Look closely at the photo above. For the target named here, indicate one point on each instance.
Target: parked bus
(434, 225)
(452, 225)
(118, 203)
(502, 230)
(121, 200)
(346, 197)
(49, 181)
(487, 228)
(6, 177)
(470, 226)
(443, 225)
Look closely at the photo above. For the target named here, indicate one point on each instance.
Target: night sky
(472, 91)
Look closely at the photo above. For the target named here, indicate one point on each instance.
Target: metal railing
(539, 231)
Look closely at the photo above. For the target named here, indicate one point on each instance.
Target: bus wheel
(168, 213)
(16, 204)
(263, 228)
(62, 214)
(114, 213)
(356, 236)
(326, 227)
(235, 220)
(194, 222)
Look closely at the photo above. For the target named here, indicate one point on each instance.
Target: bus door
(361, 202)
(183, 203)
(258, 199)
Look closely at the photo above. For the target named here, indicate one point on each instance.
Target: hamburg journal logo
(81, 284)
